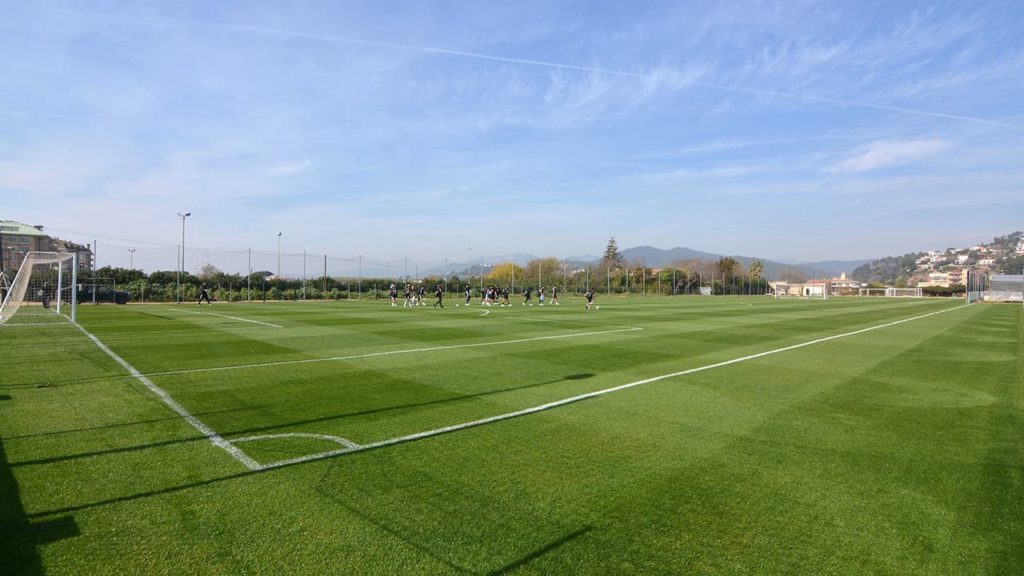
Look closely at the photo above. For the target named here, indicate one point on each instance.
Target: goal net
(1004, 288)
(872, 292)
(788, 290)
(43, 290)
(903, 292)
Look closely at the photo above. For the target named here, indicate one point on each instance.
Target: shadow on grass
(549, 547)
(188, 486)
(449, 400)
(18, 536)
(257, 429)
(127, 424)
(417, 508)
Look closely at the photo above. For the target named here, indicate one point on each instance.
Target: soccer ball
(456, 305)
(598, 307)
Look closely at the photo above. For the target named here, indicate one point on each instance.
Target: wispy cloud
(886, 153)
(291, 168)
(658, 77)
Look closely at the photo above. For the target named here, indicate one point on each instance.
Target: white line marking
(226, 316)
(485, 312)
(335, 439)
(203, 429)
(570, 400)
(389, 353)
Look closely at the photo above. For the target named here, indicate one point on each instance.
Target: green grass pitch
(896, 448)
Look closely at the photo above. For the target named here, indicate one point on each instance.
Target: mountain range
(660, 258)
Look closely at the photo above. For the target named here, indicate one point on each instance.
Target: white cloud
(291, 168)
(885, 153)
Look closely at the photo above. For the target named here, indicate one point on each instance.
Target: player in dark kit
(393, 292)
(439, 294)
(590, 298)
(204, 294)
(527, 297)
(467, 294)
(554, 296)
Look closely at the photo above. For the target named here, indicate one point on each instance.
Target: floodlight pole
(182, 216)
(131, 258)
(279, 255)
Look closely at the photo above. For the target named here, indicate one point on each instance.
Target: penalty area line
(209, 433)
(573, 399)
(230, 317)
(389, 353)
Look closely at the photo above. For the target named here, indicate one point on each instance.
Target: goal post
(800, 290)
(891, 292)
(44, 290)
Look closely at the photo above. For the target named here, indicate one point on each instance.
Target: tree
(612, 258)
(504, 273)
(207, 271)
(727, 265)
(756, 269)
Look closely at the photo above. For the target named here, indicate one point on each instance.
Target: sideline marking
(203, 429)
(226, 316)
(389, 353)
(570, 400)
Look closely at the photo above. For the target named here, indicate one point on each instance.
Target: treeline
(892, 270)
(725, 277)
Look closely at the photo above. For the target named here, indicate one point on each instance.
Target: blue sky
(785, 130)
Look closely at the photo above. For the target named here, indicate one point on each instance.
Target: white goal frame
(891, 292)
(872, 292)
(801, 290)
(24, 287)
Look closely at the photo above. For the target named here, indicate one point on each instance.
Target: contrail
(539, 63)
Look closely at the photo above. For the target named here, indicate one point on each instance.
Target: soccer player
(394, 295)
(408, 296)
(540, 295)
(204, 294)
(554, 296)
(527, 297)
(590, 298)
(439, 294)
(468, 294)
(504, 296)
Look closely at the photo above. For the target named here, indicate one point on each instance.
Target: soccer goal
(787, 290)
(872, 292)
(43, 290)
(1004, 288)
(903, 292)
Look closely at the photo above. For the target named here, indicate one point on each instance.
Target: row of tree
(612, 274)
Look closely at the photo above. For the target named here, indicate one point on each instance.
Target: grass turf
(892, 451)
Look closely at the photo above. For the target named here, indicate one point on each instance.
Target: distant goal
(903, 292)
(43, 290)
(798, 290)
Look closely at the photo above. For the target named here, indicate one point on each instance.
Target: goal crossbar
(43, 278)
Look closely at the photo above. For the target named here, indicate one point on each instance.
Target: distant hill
(658, 258)
(1003, 255)
(836, 267)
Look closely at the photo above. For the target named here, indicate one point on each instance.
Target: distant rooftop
(12, 227)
